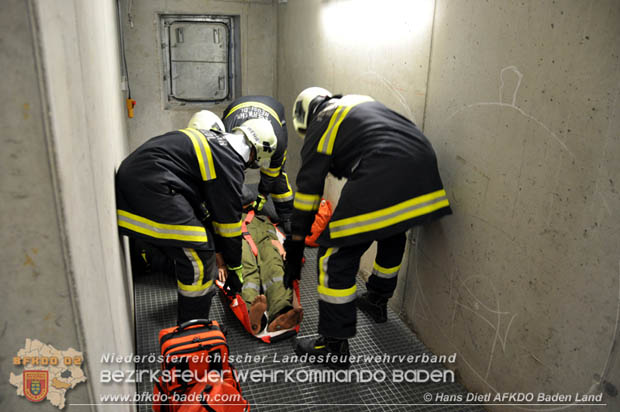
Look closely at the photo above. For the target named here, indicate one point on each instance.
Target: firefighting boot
(331, 352)
(373, 305)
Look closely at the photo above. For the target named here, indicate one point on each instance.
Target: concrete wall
(258, 53)
(525, 277)
(522, 108)
(343, 47)
(75, 137)
(35, 299)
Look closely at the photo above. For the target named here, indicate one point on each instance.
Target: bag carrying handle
(194, 322)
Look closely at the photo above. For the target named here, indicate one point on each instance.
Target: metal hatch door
(198, 60)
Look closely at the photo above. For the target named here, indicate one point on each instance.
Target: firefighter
(393, 184)
(273, 178)
(181, 192)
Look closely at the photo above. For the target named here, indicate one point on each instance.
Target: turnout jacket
(183, 189)
(273, 179)
(393, 180)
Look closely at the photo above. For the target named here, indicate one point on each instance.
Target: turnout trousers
(264, 273)
(337, 270)
(195, 270)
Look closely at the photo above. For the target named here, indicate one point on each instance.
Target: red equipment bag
(198, 345)
(321, 220)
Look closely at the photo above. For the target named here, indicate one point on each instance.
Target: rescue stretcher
(238, 306)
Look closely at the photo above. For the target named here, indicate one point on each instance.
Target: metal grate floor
(155, 297)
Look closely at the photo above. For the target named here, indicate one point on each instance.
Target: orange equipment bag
(323, 215)
(198, 345)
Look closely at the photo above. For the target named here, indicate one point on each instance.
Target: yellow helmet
(301, 107)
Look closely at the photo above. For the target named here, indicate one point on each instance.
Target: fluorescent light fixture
(364, 23)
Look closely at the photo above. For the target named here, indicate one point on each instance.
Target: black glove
(285, 225)
(292, 266)
(234, 281)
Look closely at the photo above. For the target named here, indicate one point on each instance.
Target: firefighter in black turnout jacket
(393, 184)
(273, 178)
(181, 192)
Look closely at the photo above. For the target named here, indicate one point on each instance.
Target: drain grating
(155, 297)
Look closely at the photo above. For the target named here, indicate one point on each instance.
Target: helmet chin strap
(314, 105)
(239, 144)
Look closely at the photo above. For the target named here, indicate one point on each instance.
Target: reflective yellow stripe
(320, 347)
(326, 139)
(194, 288)
(271, 172)
(305, 202)
(387, 271)
(337, 292)
(256, 104)
(275, 171)
(283, 197)
(203, 153)
(227, 229)
(379, 219)
(326, 143)
(323, 266)
(199, 271)
(157, 230)
(327, 294)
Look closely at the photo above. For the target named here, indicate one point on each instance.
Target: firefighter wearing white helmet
(307, 102)
(393, 184)
(260, 135)
(273, 178)
(181, 192)
(206, 120)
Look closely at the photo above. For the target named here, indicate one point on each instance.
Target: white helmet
(206, 120)
(259, 133)
(301, 107)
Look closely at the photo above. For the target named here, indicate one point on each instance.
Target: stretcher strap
(246, 235)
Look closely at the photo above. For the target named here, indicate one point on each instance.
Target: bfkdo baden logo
(35, 385)
(47, 373)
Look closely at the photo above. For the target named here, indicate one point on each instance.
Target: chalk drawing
(495, 309)
(401, 99)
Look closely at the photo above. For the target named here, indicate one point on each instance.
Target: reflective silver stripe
(325, 262)
(378, 220)
(188, 253)
(327, 136)
(227, 229)
(338, 300)
(272, 282)
(307, 202)
(205, 159)
(250, 285)
(197, 293)
(384, 275)
(193, 233)
(282, 199)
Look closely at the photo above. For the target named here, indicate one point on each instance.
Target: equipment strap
(246, 235)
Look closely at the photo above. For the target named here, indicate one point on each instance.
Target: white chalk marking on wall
(401, 99)
(513, 105)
